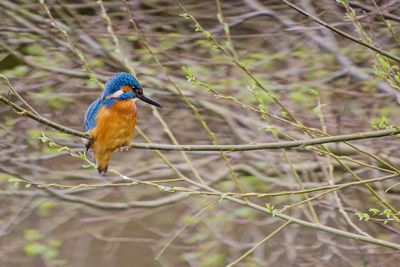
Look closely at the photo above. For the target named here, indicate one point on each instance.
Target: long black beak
(148, 100)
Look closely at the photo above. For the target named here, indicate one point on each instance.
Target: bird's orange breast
(114, 128)
(115, 125)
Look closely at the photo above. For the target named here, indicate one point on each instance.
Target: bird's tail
(102, 160)
(102, 170)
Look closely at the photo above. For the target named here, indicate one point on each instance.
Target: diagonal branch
(340, 32)
(41, 119)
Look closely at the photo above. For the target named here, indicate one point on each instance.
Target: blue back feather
(91, 113)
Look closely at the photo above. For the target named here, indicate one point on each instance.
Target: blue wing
(93, 109)
(91, 113)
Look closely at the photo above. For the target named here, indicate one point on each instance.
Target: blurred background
(57, 211)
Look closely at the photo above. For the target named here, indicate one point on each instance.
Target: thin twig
(247, 253)
(340, 32)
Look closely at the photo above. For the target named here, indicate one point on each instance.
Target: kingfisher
(110, 120)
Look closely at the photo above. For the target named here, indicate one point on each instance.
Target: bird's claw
(124, 148)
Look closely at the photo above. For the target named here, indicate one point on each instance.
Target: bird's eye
(139, 91)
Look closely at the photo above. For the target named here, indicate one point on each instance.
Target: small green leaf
(387, 213)
(45, 206)
(34, 249)
(32, 235)
(313, 91)
(362, 216)
(271, 209)
(374, 211)
(50, 253)
(220, 18)
(184, 15)
(64, 148)
(318, 110)
(88, 166)
(54, 243)
(226, 28)
(34, 49)
(15, 180)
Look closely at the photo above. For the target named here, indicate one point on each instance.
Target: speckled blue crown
(119, 79)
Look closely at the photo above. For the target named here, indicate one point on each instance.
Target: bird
(110, 120)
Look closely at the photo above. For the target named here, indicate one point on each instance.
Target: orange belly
(114, 128)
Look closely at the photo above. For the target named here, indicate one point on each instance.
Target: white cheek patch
(116, 94)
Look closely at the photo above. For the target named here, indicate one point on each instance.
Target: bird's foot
(124, 148)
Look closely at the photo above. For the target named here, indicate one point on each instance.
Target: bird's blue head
(124, 86)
